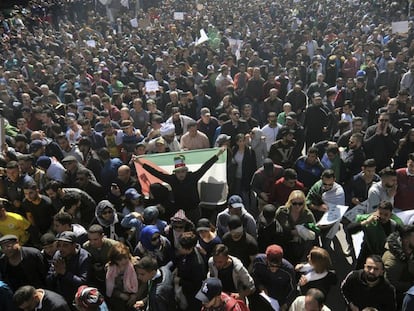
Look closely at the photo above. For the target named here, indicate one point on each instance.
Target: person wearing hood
(179, 224)
(258, 144)
(138, 221)
(269, 230)
(107, 216)
(235, 206)
(152, 243)
(399, 260)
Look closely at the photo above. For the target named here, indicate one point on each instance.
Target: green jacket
(374, 235)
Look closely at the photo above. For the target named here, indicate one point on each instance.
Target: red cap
(274, 253)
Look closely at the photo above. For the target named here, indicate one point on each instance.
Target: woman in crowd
(244, 158)
(315, 273)
(122, 288)
(107, 216)
(298, 226)
(152, 243)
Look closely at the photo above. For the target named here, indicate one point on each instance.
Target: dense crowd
(310, 103)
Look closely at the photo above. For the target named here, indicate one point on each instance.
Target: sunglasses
(155, 238)
(178, 227)
(298, 203)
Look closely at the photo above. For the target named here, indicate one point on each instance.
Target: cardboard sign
(151, 86)
(400, 27)
(179, 16)
(134, 22)
(91, 43)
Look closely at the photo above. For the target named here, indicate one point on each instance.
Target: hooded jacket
(399, 267)
(241, 278)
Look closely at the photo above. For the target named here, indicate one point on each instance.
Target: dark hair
(329, 173)
(313, 150)
(96, 229)
(53, 185)
(63, 218)
(61, 136)
(103, 153)
(386, 205)
(369, 163)
(23, 294)
(70, 198)
(317, 295)
(332, 149)
(388, 171)
(31, 185)
(290, 174)
(220, 250)
(376, 259)
(411, 156)
(223, 117)
(148, 263)
(188, 240)
(358, 136)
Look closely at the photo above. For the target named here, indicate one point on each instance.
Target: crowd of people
(311, 103)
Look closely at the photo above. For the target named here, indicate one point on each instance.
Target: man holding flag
(184, 183)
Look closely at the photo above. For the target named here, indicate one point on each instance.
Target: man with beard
(377, 226)
(368, 287)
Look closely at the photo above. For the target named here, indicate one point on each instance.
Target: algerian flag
(212, 187)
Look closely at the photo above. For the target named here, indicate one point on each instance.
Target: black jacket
(356, 290)
(33, 269)
(185, 192)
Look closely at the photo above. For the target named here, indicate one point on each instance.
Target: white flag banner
(203, 37)
(357, 240)
(407, 217)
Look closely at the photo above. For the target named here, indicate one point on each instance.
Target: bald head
(124, 173)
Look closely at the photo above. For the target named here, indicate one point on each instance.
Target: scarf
(146, 235)
(130, 279)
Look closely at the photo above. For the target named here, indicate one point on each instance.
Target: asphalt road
(342, 266)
